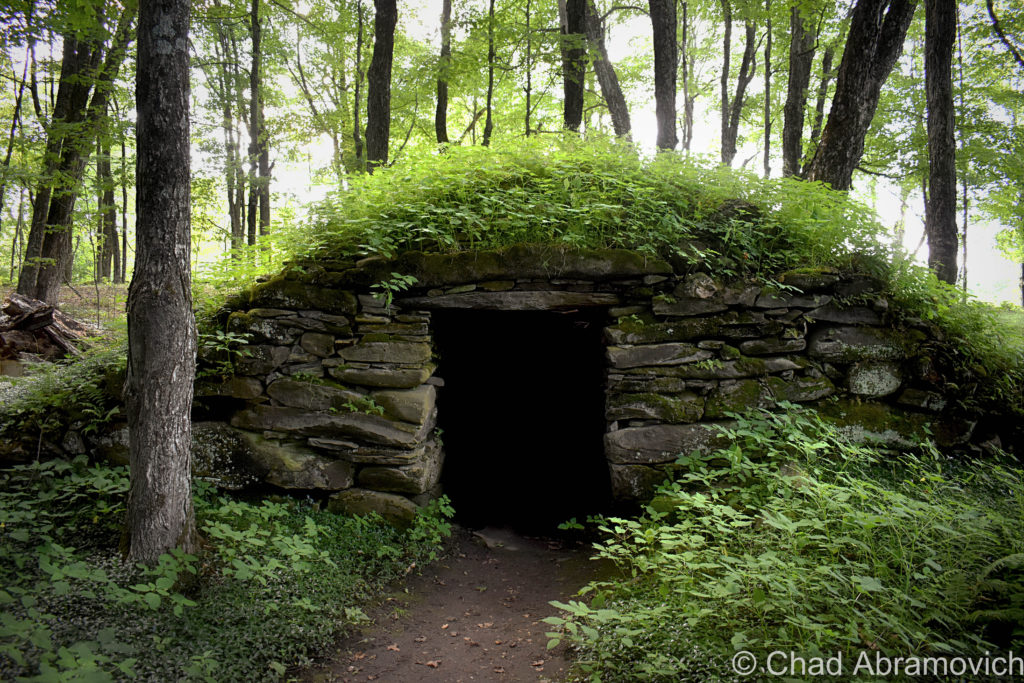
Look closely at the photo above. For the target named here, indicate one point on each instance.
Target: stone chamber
(537, 383)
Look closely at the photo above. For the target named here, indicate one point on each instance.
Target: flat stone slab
(851, 344)
(413, 405)
(392, 378)
(371, 428)
(635, 482)
(386, 352)
(540, 300)
(655, 354)
(657, 444)
(311, 395)
(397, 510)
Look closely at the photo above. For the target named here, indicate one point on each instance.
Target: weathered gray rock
(73, 443)
(415, 478)
(873, 379)
(719, 369)
(291, 466)
(283, 293)
(769, 299)
(370, 428)
(643, 384)
(650, 333)
(392, 378)
(315, 395)
(655, 354)
(318, 344)
(924, 400)
(800, 389)
(703, 286)
(737, 396)
(808, 280)
(874, 423)
(688, 306)
(772, 345)
(246, 388)
(852, 344)
(263, 330)
(271, 312)
(538, 300)
(414, 405)
(261, 360)
(634, 482)
(387, 352)
(221, 455)
(855, 315)
(397, 510)
(660, 443)
(679, 408)
(111, 445)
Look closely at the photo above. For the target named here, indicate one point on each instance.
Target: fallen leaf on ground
(359, 655)
(539, 662)
(420, 639)
(434, 663)
(486, 624)
(393, 647)
(444, 626)
(499, 669)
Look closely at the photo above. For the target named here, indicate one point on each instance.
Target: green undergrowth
(593, 195)
(84, 391)
(794, 540)
(275, 583)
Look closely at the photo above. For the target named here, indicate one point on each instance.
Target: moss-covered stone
(736, 396)
(875, 423)
(281, 292)
(810, 279)
(397, 510)
(679, 408)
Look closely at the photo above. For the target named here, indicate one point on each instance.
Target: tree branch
(1002, 36)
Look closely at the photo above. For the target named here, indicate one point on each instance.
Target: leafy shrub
(276, 583)
(792, 539)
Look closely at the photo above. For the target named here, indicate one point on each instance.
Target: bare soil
(473, 616)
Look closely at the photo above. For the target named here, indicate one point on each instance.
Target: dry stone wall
(339, 391)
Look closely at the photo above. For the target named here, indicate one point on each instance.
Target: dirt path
(474, 616)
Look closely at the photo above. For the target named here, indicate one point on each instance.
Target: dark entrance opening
(522, 414)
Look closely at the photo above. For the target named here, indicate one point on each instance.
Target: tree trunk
(801, 57)
(768, 90)
(161, 328)
(731, 115)
(574, 21)
(357, 131)
(124, 213)
(819, 105)
(444, 64)
(666, 61)
(688, 99)
(378, 104)
(606, 76)
(940, 218)
(489, 120)
(528, 66)
(54, 206)
(259, 154)
(109, 261)
(873, 45)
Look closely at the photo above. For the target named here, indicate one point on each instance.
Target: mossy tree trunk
(940, 218)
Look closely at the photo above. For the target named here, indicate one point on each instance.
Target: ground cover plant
(276, 582)
(793, 539)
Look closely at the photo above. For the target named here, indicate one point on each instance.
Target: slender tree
(574, 17)
(161, 328)
(378, 100)
(801, 57)
(491, 56)
(874, 43)
(444, 64)
(940, 217)
(606, 76)
(666, 63)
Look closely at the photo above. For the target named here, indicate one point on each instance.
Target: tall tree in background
(259, 153)
(605, 70)
(733, 108)
(441, 113)
(666, 63)
(88, 69)
(940, 217)
(574, 18)
(378, 98)
(874, 43)
(161, 328)
(801, 57)
(491, 55)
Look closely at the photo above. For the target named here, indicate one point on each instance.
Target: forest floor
(474, 615)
